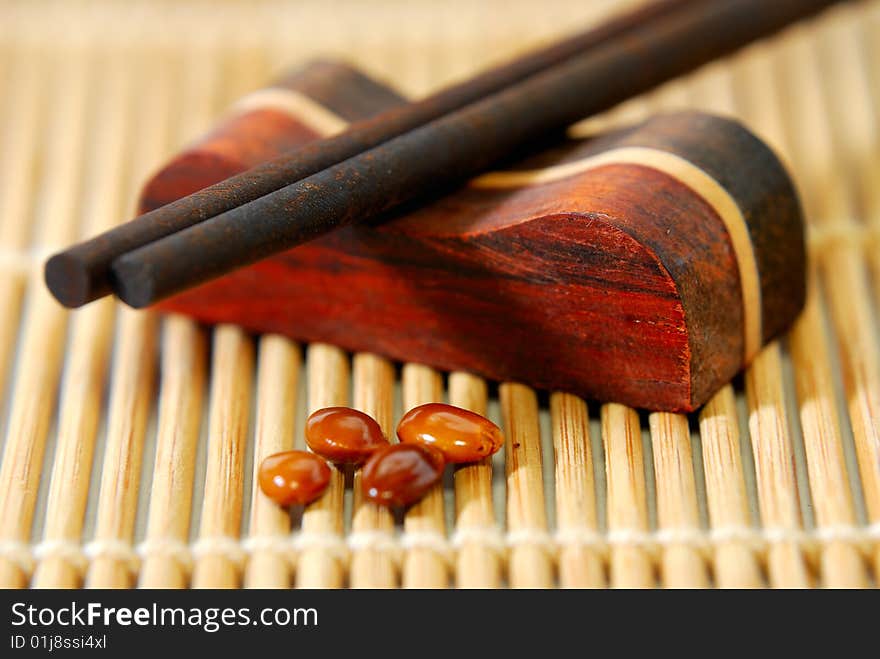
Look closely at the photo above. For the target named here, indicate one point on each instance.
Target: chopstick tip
(68, 280)
(132, 281)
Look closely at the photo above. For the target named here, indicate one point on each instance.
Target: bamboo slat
(775, 472)
(829, 485)
(479, 554)
(166, 560)
(425, 560)
(578, 539)
(630, 563)
(681, 561)
(734, 561)
(529, 561)
(328, 387)
(375, 559)
(112, 557)
(218, 559)
(276, 416)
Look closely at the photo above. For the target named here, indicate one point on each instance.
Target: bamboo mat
(129, 440)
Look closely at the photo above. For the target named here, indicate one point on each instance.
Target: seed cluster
(431, 436)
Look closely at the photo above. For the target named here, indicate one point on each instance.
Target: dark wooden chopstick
(451, 148)
(80, 274)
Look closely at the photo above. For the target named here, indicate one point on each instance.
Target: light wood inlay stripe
(688, 174)
(293, 103)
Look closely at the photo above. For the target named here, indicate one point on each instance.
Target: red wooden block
(645, 266)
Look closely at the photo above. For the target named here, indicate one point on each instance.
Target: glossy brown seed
(461, 435)
(344, 435)
(401, 474)
(294, 477)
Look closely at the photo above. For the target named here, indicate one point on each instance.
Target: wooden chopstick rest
(646, 267)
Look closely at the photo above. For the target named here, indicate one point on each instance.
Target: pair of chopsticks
(408, 152)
